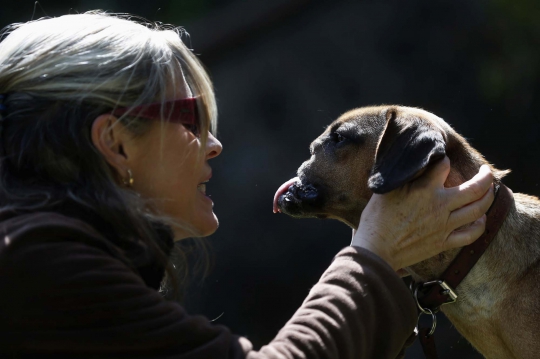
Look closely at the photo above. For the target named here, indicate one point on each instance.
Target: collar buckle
(445, 290)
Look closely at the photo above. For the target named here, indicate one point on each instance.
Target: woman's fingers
(405, 227)
(472, 211)
(465, 236)
(471, 190)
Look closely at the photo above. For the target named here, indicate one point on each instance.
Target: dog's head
(373, 150)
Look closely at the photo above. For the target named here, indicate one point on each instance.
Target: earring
(130, 180)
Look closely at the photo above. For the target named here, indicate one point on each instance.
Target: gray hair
(58, 75)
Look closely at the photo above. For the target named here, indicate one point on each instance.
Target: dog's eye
(337, 138)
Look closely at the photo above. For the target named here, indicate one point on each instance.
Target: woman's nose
(213, 147)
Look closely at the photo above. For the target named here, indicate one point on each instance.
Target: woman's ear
(408, 145)
(109, 136)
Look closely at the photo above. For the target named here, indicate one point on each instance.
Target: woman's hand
(421, 219)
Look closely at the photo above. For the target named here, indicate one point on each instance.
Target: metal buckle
(447, 290)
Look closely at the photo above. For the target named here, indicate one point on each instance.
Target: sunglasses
(182, 111)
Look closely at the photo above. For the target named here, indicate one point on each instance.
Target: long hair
(58, 75)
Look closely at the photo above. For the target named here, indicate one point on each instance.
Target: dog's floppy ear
(407, 146)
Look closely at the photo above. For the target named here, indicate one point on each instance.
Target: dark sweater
(68, 291)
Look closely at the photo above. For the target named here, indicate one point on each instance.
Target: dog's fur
(377, 149)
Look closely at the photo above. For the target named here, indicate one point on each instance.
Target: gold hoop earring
(130, 180)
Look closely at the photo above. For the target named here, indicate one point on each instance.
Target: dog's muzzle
(295, 197)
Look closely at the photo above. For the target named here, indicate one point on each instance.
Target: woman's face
(170, 169)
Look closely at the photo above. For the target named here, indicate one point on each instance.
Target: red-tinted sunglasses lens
(182, 111)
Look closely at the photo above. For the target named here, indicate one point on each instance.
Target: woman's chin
(210, 228)
(205, 226)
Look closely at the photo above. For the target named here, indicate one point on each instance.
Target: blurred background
(284, 69)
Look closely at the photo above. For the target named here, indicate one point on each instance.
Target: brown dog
(377, 149)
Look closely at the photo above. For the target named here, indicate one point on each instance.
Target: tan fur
(498, 309)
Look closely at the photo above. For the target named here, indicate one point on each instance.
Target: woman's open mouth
(202, 187)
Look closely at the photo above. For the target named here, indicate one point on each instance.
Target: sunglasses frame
(183, 111)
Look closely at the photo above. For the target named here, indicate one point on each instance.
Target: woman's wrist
(365, 240)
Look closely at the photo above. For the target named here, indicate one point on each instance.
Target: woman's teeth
(202, 187)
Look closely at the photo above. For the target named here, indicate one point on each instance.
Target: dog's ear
(407, 146)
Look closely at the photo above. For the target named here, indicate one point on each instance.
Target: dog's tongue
(282, 189)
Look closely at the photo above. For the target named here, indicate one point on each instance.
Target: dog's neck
(465, 163)
(478, 295)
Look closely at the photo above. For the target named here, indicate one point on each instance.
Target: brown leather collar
(431, 295)
(435, 293)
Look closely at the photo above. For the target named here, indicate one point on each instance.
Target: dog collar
(431, 295)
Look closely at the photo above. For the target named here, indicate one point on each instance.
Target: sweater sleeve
(359, 309)
(71, 298)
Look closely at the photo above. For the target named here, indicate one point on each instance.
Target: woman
(106, 132)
